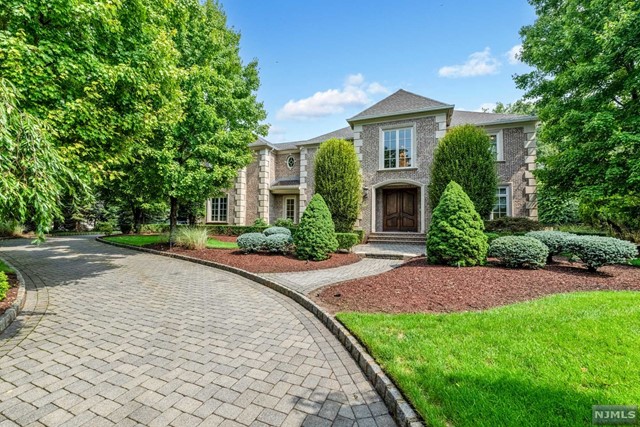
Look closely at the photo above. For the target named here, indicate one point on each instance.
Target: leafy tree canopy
(586, 86)
(518, 107)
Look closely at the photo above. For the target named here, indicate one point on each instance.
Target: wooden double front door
(400, 209)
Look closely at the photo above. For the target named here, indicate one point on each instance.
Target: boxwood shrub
(251, 242)
(556, 241)
(596, 251)
(519, 251)
(279, 243)
(277, 230)
(347, 240)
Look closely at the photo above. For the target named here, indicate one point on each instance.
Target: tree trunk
(138, 214)
(173, 219)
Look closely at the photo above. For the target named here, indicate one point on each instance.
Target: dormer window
(397, 148)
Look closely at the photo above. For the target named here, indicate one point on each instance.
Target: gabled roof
(343, 133)
(484, 119)
(400, 102)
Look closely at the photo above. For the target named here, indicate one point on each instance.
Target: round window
(291, 162)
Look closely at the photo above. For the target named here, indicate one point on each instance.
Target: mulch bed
(12, 293)
(417, 287)
(262, 262)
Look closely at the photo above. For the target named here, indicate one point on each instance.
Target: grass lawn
(539, 363)
(5, 268)
(142, 240)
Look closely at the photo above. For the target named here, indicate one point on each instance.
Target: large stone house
(395, 141)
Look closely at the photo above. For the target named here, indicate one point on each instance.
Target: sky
(323, 61)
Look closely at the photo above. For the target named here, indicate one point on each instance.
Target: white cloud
(277, 134)
(332, 101)
(513, 55)
(486, 107)
(478, 64)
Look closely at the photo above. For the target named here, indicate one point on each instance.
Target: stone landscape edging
(398, 406)
(12, 312)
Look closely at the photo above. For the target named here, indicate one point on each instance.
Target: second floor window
(398, 148)
(496, 145)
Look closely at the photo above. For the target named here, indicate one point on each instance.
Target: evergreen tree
(316, 235)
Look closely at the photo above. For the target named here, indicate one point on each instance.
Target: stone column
(302, 201)
(240, 210)
(264, 180)
(530, 190)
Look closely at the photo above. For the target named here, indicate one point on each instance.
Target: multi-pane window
(219, 209)
(496, 145)
(290, 208)
(502, 203)
(398, 148)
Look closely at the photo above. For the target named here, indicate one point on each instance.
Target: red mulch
(417, 287)
(12, 293)
(262, 262)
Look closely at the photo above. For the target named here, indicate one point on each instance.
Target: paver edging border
(12, 312)
(398, 406)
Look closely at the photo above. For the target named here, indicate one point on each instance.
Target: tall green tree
(338, 181)
(33, 175)
(520, 106)
(220, 116)
(464, 155)
(586, 86)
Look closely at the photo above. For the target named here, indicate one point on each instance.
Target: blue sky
(324, 61)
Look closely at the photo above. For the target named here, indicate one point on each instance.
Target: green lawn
(635, 262)
(539, 363)
(5, 268)
(142, 240)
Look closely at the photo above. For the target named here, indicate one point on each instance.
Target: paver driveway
(111, 336)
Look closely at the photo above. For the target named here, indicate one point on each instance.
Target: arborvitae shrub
(464, 155)
(456, 234)
(316, 236)
(338, 181)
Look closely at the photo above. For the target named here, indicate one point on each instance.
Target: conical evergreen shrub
(456, 234)
(316, 235)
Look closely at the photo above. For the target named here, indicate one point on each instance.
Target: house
(395, 141)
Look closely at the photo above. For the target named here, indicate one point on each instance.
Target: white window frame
(286, 161)
(499, 144)
(411, 127)
(509, 199)
(215, 216)
(295, 208)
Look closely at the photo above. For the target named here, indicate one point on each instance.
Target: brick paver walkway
(406, 250)
(111, 336)
(307, 281)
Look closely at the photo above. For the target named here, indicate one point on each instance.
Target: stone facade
(262, 187)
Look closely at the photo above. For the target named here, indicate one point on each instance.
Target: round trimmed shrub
(519, 251)
(456, 234)
(347, 240)
(316, 235)
(277, 230)
(251, 242)
(596, 251)
(556, 241)
(278, 243)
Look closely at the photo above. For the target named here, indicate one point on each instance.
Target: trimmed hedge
(360, 233)
(316, 235)
(4, 285)
(512, 224)
(556, 241)
(233, 230)
(347, 240)
(519, 251)
(456, 232)
(596, 251)
(251, 242)
(277, 230)
(279, 243)
(154, 228)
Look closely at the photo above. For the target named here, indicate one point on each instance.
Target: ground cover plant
(543, 362)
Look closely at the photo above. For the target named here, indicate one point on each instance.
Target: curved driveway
(111, 336)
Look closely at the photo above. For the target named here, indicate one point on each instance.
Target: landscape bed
(542, 362)
(12, 293)
(417, 287)
(263, 262)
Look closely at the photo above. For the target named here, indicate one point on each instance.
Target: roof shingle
(400, 102)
